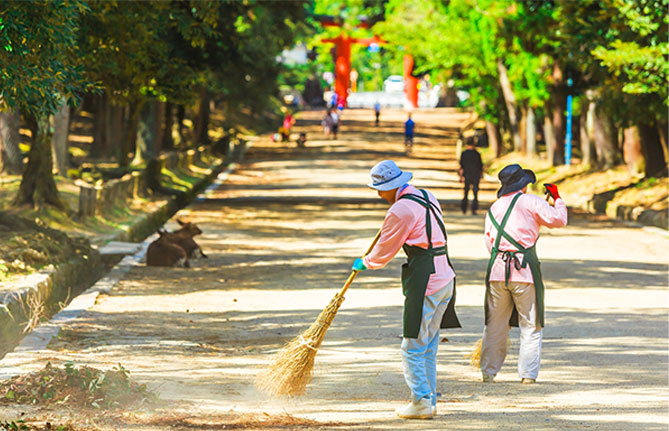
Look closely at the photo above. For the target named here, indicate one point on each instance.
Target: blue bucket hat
(387, 176)
(514, 178)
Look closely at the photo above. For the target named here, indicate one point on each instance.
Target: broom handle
(354, 273)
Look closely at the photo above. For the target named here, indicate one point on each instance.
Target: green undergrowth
(578, 183)
(80, 387)
(22, 425)
(30, 245)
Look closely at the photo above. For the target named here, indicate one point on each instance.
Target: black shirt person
(471, 170)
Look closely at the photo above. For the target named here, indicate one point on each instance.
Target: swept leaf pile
(83, 387)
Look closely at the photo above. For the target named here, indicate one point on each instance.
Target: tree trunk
(38, 185)
(510, 101)
(100, 144)
(60, 122)
(605, 139)
(494, 139)
(662, 127)
(652, 150)
(159, 127)
(11, 160)
(181, 116)
(168, 139)
(114, 132)
(587, 131)
(531, 133)
(632, 154)
(146, 134)
(559, 99)
(201, 128)
(549, 138)
(129, 134)
(522, 129)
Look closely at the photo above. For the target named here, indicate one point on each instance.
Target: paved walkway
(281, 234)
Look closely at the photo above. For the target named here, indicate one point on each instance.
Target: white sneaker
(422, 409)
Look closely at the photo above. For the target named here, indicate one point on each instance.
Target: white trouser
(501, 299)
(419, 355)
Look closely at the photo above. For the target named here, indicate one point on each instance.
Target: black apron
(416, 274)
(510, 257)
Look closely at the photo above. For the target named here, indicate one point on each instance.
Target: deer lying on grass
(163, 252)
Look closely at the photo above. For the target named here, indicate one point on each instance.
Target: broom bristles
(290, 370)
(475, 356)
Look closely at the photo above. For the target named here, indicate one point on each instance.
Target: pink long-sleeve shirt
(528, 215)
(405, 223)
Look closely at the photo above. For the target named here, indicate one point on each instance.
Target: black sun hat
(514, 178)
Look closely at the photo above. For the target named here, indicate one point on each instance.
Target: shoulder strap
(429, 207)
(500, 227)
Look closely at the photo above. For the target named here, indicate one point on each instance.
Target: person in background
(327, 122)
(514, 293)
(377, 113)
(409, 126)
(335, 122)
(414, 223)
(302, 140)
(340, 106)
(471, 170)
(288, 122)
(334, 100)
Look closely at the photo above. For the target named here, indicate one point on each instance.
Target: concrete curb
(80, 271)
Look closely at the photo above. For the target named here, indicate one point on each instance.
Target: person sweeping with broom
(414, 222)
(514, 287)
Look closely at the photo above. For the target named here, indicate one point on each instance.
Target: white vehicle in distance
(393, 84)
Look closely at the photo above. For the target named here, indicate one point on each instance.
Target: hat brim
(527, 178)
(404, 178)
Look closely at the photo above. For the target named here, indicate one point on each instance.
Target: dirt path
(281, 234)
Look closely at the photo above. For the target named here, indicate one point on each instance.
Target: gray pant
(501, 299)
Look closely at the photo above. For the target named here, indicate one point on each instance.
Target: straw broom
(290, 370)
(475, 356)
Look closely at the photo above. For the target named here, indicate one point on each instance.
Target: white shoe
(422, 409)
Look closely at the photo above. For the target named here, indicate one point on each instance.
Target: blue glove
(358, 265)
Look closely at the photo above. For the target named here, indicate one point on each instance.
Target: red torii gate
(343, 63)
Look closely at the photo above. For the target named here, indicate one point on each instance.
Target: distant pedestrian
(409, 126)
(288, 122)
(302, 140)
(377, 113)
(471, 170)
(335, 123)
(327, 122)
(333, 100)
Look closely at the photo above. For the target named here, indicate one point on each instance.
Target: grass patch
(29, 245)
